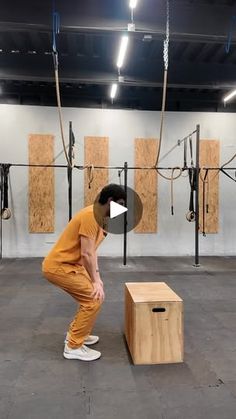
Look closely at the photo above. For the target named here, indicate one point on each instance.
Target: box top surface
(147, 292)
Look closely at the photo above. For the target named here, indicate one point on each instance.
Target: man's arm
(89, 261)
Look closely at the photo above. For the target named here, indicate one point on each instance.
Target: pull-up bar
(63, 166)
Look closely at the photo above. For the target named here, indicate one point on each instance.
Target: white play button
(132, 214)
(116, 209)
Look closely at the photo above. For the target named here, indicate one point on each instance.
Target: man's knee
(93, 306)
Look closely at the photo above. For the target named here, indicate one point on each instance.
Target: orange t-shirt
(67, 250)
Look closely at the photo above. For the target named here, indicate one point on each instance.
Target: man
(73, 266)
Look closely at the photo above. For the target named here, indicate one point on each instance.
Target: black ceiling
(201, 71)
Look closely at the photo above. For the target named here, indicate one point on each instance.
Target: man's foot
(83, 353)
(90, 340)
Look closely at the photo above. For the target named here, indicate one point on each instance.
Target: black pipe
(125, 214)
(197, 198)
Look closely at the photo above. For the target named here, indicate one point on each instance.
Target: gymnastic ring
(6, 213)
(191, 216)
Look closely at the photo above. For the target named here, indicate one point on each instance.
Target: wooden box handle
(158, 310)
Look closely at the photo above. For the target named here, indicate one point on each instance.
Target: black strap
(70, 153)
(192, 182)
(5, 174)
(185, 153)
(204, 204)
(191, 149)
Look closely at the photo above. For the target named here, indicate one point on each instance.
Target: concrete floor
(37, 382)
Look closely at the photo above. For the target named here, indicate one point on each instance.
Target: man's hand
(98, 292)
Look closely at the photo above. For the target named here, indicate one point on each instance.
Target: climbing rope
(166, 64)
(90, 174)
(55, 32)
(171, 178)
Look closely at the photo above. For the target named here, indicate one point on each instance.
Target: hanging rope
(55, 32)
(90, 174)
(171, 178)
(166, 64)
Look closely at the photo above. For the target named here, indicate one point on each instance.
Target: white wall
(175, 235)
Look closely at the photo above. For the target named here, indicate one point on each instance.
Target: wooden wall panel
(41, 184)
(96, 152)
(210, 156)
(145, 182)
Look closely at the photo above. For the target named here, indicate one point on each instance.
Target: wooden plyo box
(153, 323)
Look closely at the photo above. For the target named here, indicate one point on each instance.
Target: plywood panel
(210, 157)
(145, 182)
(96, 152)
(41, 184)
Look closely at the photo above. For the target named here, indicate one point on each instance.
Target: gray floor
(37, 382)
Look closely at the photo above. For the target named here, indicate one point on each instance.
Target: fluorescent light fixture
(113, 90)
(133, 4)
(122, 52)
(228, 97)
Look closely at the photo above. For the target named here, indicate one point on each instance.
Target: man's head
(110, 193)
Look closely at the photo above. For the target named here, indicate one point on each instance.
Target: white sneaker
(90, 340)
(83, 353)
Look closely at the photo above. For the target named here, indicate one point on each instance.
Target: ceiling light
(133, 4)
(122, 52)
(113, 90)
(228, 97)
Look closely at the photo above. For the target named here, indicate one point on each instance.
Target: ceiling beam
(103, 78)
(141, 30)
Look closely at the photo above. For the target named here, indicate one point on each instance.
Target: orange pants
(79, 285)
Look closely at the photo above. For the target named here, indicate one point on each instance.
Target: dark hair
(113, 191)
